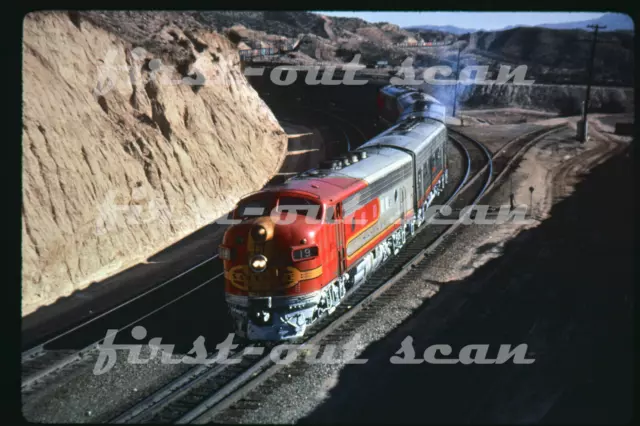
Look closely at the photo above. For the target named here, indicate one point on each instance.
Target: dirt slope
(116, 164)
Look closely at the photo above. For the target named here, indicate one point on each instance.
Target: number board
(305, 253)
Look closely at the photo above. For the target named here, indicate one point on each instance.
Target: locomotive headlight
(258, 263)
(259, 233)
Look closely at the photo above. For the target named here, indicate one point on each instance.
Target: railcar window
(299, 206)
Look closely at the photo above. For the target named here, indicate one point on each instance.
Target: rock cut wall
(121, 157)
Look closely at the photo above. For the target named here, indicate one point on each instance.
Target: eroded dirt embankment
(118, 162)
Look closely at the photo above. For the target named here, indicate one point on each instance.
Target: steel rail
(78, 355)
(36, 350)
(266, 367)
(174, 397)
(218, 402)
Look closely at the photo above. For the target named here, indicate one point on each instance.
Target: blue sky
(473, 20)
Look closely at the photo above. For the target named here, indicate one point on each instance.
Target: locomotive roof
(325, 189)
(409, 135)
(411, 102)
(393, 90)
(407, 93)
(410, 98)
(328, 186)
(380, 162)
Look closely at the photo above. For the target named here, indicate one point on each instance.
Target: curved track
(487, 177)
(60, 355)
(204, 387)
(207, 386)
(41, 364)
(184, 400)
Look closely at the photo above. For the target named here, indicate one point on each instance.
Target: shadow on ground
(564, 288)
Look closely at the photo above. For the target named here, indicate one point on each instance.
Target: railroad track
(358, 137)
(46, 363)
(192, 396)
(340, 135)
(52, 359)
(582, 162)
(512, 151)
(249, 397)
(203, 387)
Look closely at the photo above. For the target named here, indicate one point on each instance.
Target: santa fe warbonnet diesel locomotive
(298, 247)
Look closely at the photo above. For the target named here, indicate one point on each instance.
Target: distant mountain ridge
(443, 28)
(551, 56)
(612, 21)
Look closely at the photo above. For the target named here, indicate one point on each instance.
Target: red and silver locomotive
(297, 248)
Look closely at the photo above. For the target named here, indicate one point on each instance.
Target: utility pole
(455, 95)
(582, 135)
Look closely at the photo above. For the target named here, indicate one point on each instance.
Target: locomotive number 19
(305, 253)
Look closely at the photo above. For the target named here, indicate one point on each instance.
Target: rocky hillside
(121, 155)
(324, 38)
(564, 100)
(289, 24)
(552, 56)
(558, 56)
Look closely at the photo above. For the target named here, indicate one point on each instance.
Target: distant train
(300, 246)
(396, 103)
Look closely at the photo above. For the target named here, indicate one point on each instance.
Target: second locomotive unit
(300, 246)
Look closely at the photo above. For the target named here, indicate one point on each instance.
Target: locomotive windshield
(256, 207)
(299, 206)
